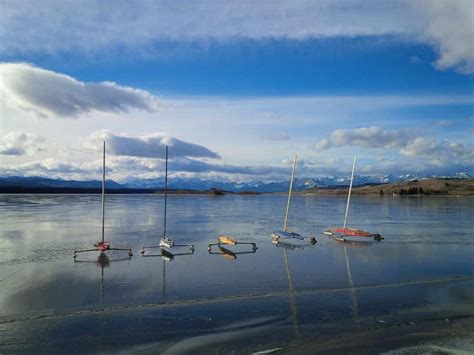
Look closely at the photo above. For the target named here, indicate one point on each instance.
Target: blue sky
(256, 83)
(268, 67)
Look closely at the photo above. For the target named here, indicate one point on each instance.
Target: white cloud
(148, 146)
(122, 168)
(21, 143)
(440, 153)
(444, 24)
(145, 154)
(366, 137)
(51, 168)
(184, 157)
(450, 30)
(47, 93)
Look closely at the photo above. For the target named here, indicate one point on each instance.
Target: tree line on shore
(416, 190)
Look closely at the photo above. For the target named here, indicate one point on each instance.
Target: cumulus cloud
(439, 152)
(445, 24)
(126, 168)
(52, 94)
(366, 137)
(147, 146)
(51, 168)
(21, 143)
(145, 153)
(201, 167)
(141, 156)
(122, 168)
(192, 165)
(450, 29)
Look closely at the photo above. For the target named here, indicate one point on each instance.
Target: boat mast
(289, 194)
(166, 190)
(103, 190)
(350, 191)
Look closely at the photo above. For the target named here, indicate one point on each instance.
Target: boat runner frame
(285, 234)
(166, 242)
(102, 245)
(227, 240)
(341, 234)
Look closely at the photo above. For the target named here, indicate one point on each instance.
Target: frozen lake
(423, 270)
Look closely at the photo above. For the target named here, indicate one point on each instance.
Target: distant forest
(418, 190)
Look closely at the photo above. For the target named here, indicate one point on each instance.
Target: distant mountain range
(19, 181)
(300, 184)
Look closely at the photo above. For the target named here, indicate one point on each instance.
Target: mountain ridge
(196, 184)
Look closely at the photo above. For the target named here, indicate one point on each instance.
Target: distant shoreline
(95, 191)
(427, 187)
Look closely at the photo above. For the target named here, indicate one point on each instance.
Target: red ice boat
(352, 232)
(341, 233)
(102, 246)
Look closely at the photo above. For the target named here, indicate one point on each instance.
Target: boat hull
(166, 243)
(225, 239)
(102, 246)
(351, 232)
(286, 235)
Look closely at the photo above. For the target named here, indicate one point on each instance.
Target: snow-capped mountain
(300, 184)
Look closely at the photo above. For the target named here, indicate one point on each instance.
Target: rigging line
(166, 191)
(285, 225)
(103, 191)
(350, 191)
